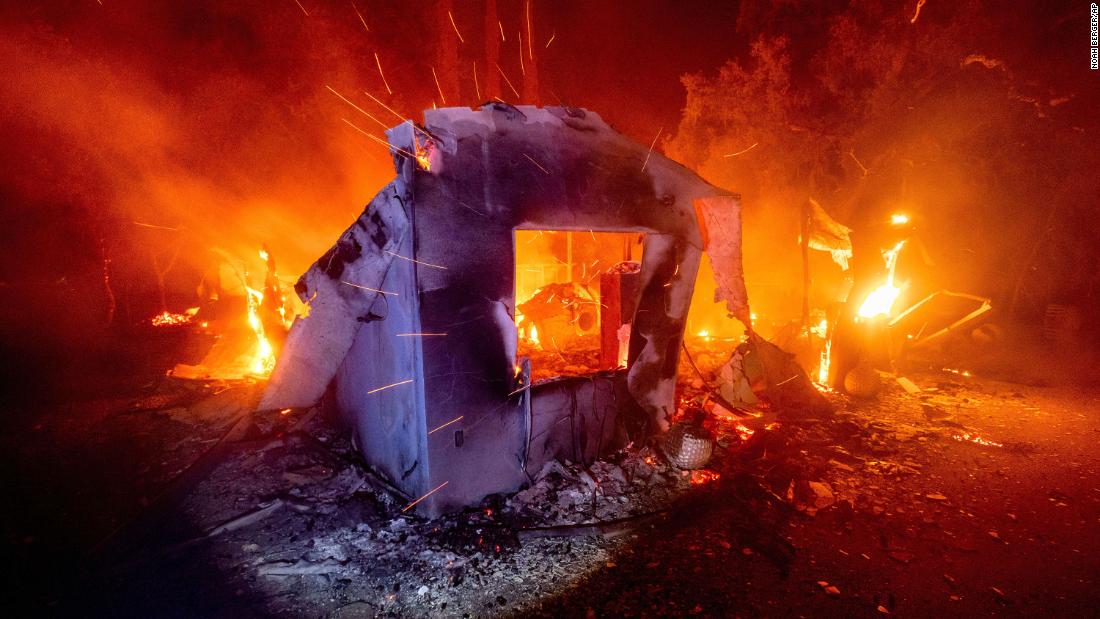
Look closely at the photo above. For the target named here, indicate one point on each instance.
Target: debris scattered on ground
(291, 514)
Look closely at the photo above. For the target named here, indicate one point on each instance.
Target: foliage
(942, 116)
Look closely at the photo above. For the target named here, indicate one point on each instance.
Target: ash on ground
(932, 501)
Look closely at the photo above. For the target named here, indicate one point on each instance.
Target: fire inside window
(570, 299)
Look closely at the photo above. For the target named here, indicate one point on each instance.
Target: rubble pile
(639, 482)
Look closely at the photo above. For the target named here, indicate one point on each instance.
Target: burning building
(412, 313)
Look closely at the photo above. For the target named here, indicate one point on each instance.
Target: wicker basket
(688, 446)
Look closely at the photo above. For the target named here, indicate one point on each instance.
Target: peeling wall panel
(387, 422)
(339, 289)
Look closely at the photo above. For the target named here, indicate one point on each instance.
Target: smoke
(213, 118)
(225, 137)
(137, 131)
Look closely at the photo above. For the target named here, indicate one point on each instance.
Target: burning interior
(414, 316)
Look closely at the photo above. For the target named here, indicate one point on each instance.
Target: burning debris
(249, 328)
(170, 319)
(881, 300)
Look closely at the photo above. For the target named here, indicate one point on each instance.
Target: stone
(822, 495)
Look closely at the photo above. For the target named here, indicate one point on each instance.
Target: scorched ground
(976, 496)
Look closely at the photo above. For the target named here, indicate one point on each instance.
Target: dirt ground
(976, 496)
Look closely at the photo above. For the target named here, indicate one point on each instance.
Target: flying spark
(455, 26)
(552, 35)
(427, 264)
(378, 139)
(859, 163)
(144, 225)
(361, 110)
(430, 493)
(388, 145)
(438, 87)
(522, 71)
(383, 75)
(477, 90)
(376, 390)
(920, 4)
(742, 152)
(356, 127)
(455, 420)
(302, 7)
(544, 170)
(530, 35)
(501, 30)
(508, 81)
(386, 107)
(394, 294)
(364, 22)
(470, 208)
(654, 143)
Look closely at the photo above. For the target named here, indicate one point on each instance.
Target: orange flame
(743, 431)
(263, 360)
(977, 440)
(167, 319)
(881, 299)
(822, 330)
(703, 476)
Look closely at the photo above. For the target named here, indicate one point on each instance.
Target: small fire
(263, 360)
(881, 299)
(534, 335)
(744, 431)
(899, 219)
(822, 330)
(958, 372)
(168, 319)
(823, 366)
(977, 440)
(423, 160)
(703, 476)
(423, 153)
